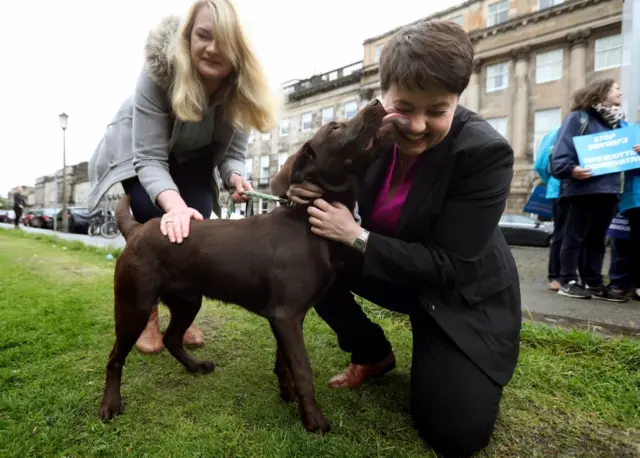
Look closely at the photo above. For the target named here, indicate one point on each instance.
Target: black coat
(449, 249)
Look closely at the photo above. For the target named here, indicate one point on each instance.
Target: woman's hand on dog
(333, 222)
(304, 193)
(175, 223)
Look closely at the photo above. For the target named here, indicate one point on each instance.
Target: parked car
(41, 218)
(7, 216)
(526, 231)
(79, 220)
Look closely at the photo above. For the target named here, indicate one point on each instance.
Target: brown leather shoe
(150, 341)
(357, 374)
(193, 337)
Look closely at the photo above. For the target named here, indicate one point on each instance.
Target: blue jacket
(541, 166)
(631, 195)
(565, 158)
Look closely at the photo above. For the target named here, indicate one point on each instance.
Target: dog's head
(337, 157)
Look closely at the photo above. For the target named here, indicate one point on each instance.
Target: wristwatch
(360, 243)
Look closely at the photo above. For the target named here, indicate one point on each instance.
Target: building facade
(530, 55)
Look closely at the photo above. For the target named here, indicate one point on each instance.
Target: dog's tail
(125, 220)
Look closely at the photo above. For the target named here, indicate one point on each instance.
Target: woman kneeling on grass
(200, 90)
(429, 245)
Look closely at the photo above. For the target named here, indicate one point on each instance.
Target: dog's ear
(293, 170)
(303, 164)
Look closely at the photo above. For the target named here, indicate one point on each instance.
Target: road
(537, 302)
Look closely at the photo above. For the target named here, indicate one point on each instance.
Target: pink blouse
(386, 213)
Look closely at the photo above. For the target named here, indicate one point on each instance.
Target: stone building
(530, 55)
(48, 189)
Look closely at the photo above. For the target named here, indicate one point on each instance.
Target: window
(542, 4)
(497, 13)
(459, 19)
(544, 121)
(248, 168)
(264, 170)
(497, 77)
(282, 158)
(608, 52)
(327, 115)
(284, 127)
(350, 109)
(549, 66)
(306, 122)
(500, 125)
(378, 52)
(264, 206)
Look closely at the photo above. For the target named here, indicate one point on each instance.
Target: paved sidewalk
(538, 303)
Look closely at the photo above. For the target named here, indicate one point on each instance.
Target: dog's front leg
(288, 332)
(281, 369)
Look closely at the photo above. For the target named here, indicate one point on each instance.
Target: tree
(3, 202)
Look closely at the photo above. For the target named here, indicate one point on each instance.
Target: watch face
(358, 244)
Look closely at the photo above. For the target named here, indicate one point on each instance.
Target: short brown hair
(419, 56)
(592, 94)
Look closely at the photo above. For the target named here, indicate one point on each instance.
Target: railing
(323, 79)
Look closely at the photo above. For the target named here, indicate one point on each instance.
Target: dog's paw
(110, 409)
(203, 367)
(315, 422)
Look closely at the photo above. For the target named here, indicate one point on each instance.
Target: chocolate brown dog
(270, 264)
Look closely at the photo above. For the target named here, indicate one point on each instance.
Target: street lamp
(63, 124)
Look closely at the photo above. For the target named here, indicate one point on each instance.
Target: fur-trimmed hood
(156, 50)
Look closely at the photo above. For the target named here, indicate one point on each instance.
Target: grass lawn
(574, 393)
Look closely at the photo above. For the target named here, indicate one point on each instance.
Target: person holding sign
(589, 202)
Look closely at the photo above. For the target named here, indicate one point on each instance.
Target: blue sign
(538, 203)
(610, 151)
(619, 228)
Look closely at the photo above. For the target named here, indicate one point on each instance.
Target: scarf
(611, 114)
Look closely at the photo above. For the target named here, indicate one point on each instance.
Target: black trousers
(193, 179)
(587, 221)
(633, 215)
(18, 212)
(454, 404)
(559, 222)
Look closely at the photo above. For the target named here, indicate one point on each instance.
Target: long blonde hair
(248, 102)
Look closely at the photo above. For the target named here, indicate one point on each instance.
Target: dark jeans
(556, 241)
(587, 221)
(620, 267)
(454, 404)
(18, 212)
(193, 179)
(633, 215)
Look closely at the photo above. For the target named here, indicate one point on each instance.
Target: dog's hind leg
(184, 308)
(131, 318)
(288, 332)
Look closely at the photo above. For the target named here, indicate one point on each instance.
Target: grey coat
(140, 137)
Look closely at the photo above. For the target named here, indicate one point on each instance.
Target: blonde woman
(199, 92)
